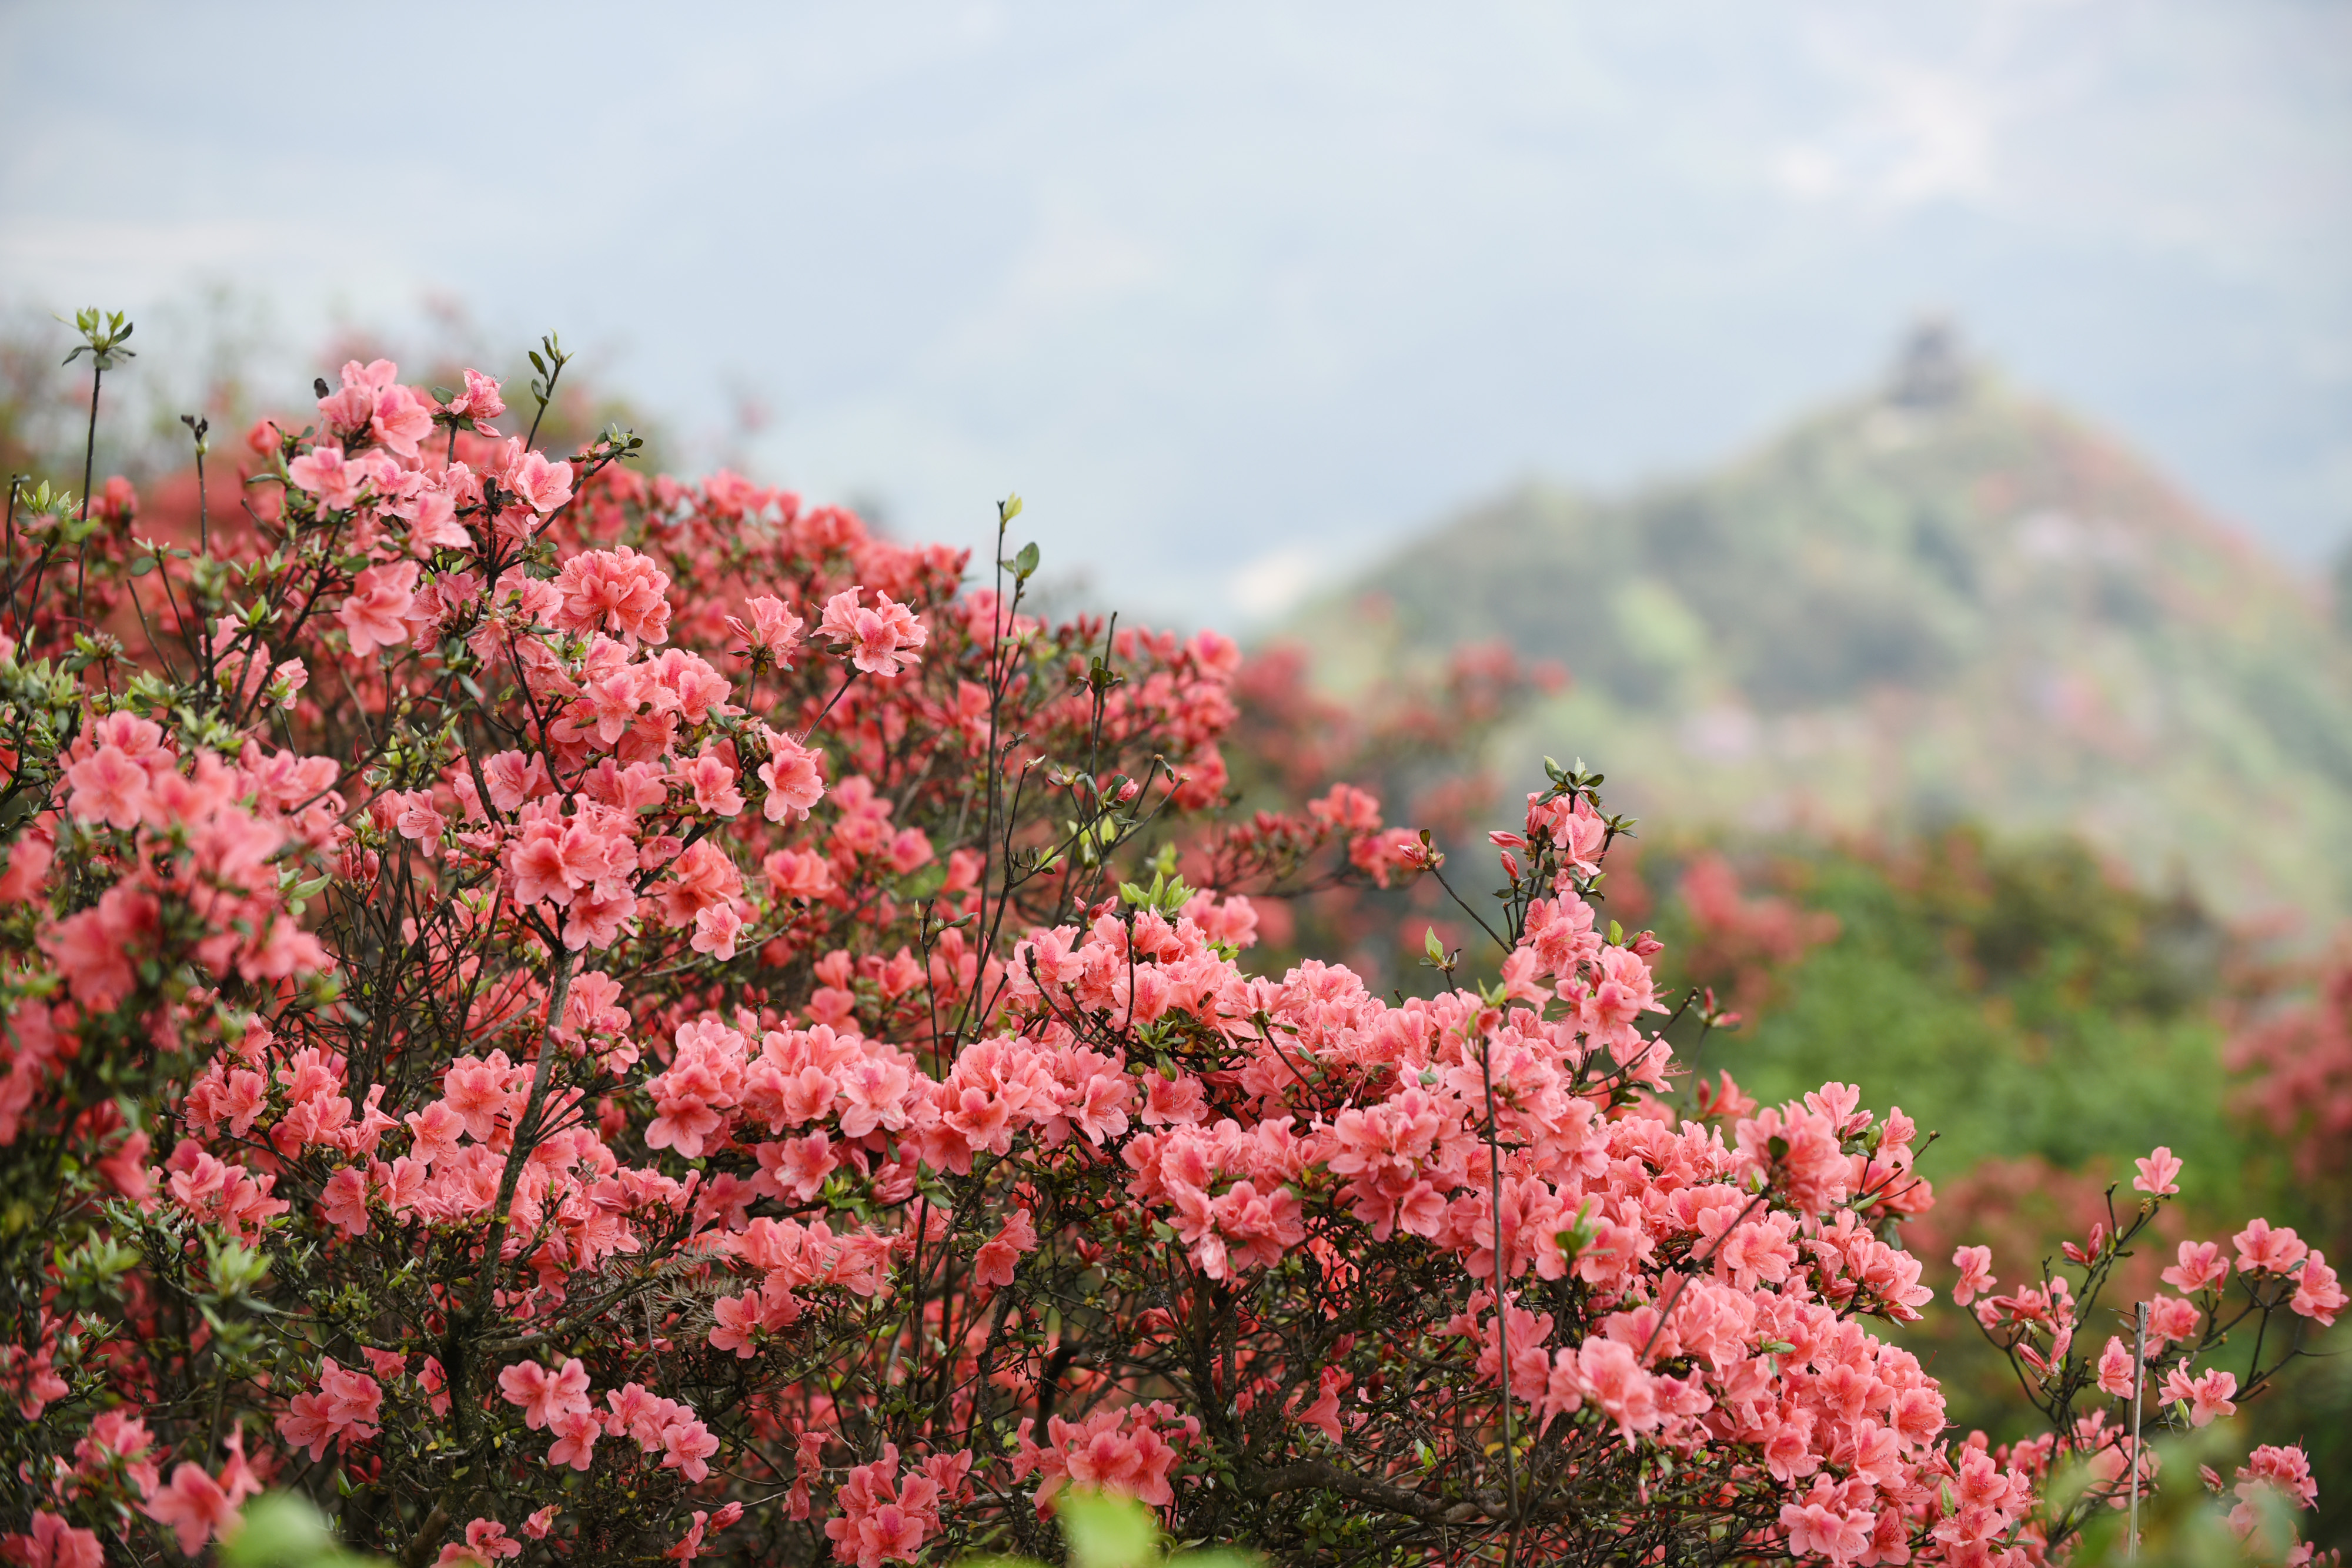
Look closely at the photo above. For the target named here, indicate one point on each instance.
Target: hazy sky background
(1236, 295)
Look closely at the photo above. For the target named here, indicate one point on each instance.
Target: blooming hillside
(572, 1017)
(1927, 602)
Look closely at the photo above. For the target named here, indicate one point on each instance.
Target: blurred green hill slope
(1944, 600)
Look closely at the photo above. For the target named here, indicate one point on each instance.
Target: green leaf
(1106, 1531)
(1432, 946)
(1024, 565)
(281, 1530)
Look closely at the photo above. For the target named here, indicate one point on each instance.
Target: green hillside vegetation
(2009, 996)
(1942, 601)
(2049, 1024)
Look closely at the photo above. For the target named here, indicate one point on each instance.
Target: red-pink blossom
(882, 639)
(2157, 1172)
(545, 1396)
(795, 775)
(196, 1506)
(53, 1543)
(617, 590)
(2200, 1268)
(323, 472)
(375, 614)
(1975, 1264)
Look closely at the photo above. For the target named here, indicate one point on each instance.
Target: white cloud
(1278, 581)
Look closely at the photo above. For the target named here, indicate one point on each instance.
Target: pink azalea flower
(773, 629)
(2207, 1396)
(323, 472)
(53, 1543)
(547, 486)
(1975, 1264)
(344, 1201)
(576, 1432)
(881, 640)
(108, 788)
(480, 402)
(2318, 1296)
(2115, 1369)
(713, 783)
(2266, 1248)
(715, 930)
(195, 1507)
(616, 590)
(686, 1447)
(400, 420)
(2157, 1173)
(375, 616)
(2201, 1266)
(487, 1541)
(545, 1396)
(794, 776)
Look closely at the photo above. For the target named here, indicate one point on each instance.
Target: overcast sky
(1236, 295)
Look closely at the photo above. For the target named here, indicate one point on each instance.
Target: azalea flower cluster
(576, 1017)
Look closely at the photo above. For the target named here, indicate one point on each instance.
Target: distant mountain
(1942, 599)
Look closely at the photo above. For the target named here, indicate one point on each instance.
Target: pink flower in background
(715, 930)
(2115, 1369)
(885, 1517)
(2171, 1320)
(343, 1408)
(994, 1262)
(2318, 1296)
(686, 1445)
(713, 784)
(576, 1432)
(486, 1543)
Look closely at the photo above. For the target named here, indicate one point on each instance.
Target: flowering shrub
(1416, 736)
(572, 1015)
(2299, 1064)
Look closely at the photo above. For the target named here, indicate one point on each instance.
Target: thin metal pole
(2139, 1373)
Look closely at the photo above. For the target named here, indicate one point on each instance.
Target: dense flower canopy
(575, 1016)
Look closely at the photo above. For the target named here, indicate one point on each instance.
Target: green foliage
(1105, 1530)
(281, 1530)
(2012, 997)
(2182, 1525)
